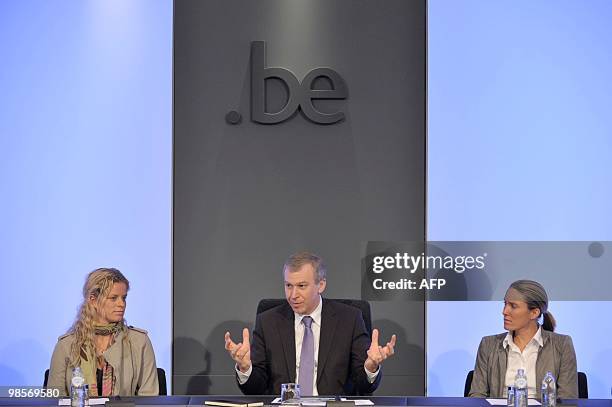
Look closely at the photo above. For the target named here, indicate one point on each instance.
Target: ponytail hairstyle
(535, 296)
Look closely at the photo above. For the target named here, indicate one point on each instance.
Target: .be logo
(300, 95)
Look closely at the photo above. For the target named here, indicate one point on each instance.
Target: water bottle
(79, 394)
(520, 389)
(510, 398)
(549, 390)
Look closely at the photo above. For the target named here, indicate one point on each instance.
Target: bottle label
(77, 381)
(521, 383)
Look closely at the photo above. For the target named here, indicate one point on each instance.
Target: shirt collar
(315, 315)
(536, 338)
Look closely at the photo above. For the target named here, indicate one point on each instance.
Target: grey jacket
(133, 362)
(556, 355)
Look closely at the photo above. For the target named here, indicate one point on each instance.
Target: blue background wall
(519, 147)
(85, 168)
(520, 140)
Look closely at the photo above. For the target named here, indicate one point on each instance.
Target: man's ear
(322, 285)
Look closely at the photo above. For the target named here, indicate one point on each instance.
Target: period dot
(233, 117)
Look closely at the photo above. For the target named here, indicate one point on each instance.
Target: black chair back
(468, 383)
(161, 378)
(361, 305)
(583, 386)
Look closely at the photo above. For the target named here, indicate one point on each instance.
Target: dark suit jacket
(343, 346)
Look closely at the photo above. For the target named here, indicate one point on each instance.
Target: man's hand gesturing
(377, 354)
(240, 352)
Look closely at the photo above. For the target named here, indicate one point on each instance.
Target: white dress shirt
(523, 360)
(299, 337)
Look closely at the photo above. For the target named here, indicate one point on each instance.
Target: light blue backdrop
(85, 168)
(519, 149)
(520, 141)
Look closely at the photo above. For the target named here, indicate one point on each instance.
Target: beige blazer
(133, 362)
(556, 355)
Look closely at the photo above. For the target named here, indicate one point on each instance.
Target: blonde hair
(98, 285)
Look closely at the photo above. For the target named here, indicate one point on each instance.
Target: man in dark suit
(321, 343)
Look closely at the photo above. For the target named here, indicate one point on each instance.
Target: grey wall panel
(248, 195)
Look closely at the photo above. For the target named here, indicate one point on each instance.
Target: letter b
(259, 74)
(299, 95)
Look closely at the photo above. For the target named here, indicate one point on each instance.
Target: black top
(99, 381)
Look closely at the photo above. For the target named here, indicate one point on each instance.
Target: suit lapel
(502, 362)
(541, 366)
(286, 330)
(115, 357)
(114, 354)
(329, 321)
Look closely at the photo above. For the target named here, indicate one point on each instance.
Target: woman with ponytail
(116, 360)
(529, 344)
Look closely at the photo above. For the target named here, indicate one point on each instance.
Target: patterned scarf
(108, 329)
(90, 361)
(108, 379)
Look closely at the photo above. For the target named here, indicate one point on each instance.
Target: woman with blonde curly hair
(115, 359)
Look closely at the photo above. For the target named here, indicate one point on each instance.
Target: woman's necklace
(102, 346)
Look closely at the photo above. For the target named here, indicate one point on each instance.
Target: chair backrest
(362, 305)
(468, 383)
(583, 388)
(161, 378)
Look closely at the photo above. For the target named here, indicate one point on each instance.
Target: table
(378, 400)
